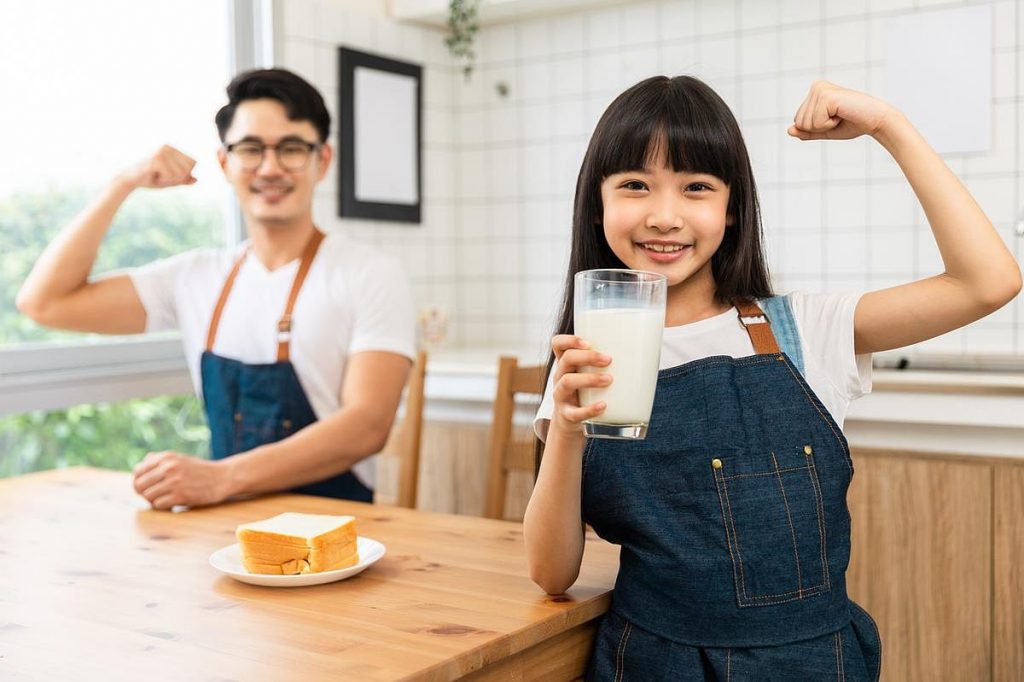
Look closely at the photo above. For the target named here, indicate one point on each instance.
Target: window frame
(60, 375)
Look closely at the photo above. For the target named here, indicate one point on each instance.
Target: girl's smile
(662, 251)
(667, 221)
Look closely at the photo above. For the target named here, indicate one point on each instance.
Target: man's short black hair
(300, 99)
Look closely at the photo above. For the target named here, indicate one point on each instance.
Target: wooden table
(96, 586)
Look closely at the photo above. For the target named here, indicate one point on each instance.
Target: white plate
(228, 560)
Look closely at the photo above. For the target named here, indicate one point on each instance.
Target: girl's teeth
(662, 248)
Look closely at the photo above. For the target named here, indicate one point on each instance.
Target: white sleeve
(155, 284)
(385, 316)
(544, 412)
(826, 328)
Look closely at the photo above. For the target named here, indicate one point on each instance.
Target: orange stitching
(792, 530)
(766, 598)
(691, 366)
(735, 541)
(788, 596)
(740, 580)
(764, 473)
(812, 471)
(728, 535)
(838, 436)
(620, 654)
(835, 646)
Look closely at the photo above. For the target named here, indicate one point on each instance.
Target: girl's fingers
(576, 358)
(796, 132)
(799, 116)
(824, 118)
(568, 385)
(579, 414)
(804, 135)
(563, 342)
(807, 120)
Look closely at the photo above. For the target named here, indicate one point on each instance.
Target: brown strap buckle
(747, 320)
(757, 325)
(284, 328)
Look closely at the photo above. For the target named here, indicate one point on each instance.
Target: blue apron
(248, 405)
(733, 525)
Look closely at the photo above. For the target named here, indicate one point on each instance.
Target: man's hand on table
(167, 479)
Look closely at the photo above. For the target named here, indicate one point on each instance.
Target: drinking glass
(621, 313)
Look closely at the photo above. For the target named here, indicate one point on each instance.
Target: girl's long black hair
(699, 134)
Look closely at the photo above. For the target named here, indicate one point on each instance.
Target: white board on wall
(938, 71)
(386, 136)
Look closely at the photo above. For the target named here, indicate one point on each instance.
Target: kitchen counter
(979, 412)
(973, 413)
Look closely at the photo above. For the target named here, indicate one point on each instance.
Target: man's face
(277, 190)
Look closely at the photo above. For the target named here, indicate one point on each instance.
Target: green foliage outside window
(106, 435)
(150, 225)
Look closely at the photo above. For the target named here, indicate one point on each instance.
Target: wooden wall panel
(921, 565)
(1008, 575)
(857, 499)
(453, 471)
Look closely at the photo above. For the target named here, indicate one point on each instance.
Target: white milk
(632, 337)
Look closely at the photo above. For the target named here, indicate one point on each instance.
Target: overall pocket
(774, 524)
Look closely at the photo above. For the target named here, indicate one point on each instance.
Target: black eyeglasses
(292, 155)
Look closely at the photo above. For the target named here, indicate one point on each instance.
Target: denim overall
(248, 405)
(733, 526)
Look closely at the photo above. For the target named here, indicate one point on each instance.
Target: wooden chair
(410, 433)
(506, 453)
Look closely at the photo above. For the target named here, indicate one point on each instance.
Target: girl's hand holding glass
(572, 354)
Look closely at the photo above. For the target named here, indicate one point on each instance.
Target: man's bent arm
(370, 396)
(58, 293)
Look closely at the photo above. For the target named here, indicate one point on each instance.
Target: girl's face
(665, 221)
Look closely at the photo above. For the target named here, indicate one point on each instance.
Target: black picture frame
(372, 78)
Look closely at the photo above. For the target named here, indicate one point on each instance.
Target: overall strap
(780, 312)
(758, 327)
(211, 333)
(284, 325)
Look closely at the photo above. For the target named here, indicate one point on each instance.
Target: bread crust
(293, 543)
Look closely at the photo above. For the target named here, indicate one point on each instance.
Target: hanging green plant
(462, 27)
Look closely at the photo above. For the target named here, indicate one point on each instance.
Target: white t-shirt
(825, 324)
(354, 299)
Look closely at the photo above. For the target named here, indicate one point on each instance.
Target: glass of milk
(622, 314)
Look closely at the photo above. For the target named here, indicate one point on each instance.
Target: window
(106, 435)
(88, 104)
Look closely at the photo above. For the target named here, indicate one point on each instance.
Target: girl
(732, 514)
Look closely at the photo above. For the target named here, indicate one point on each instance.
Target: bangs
(669, 123)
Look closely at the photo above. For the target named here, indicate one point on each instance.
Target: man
(299, 343)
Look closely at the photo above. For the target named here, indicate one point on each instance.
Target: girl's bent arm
(980, 274)
(552, 527)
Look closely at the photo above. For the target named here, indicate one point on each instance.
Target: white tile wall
(501, 171)
(312, 31)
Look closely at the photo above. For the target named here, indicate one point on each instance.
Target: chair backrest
(506, 453)
(410, 434)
